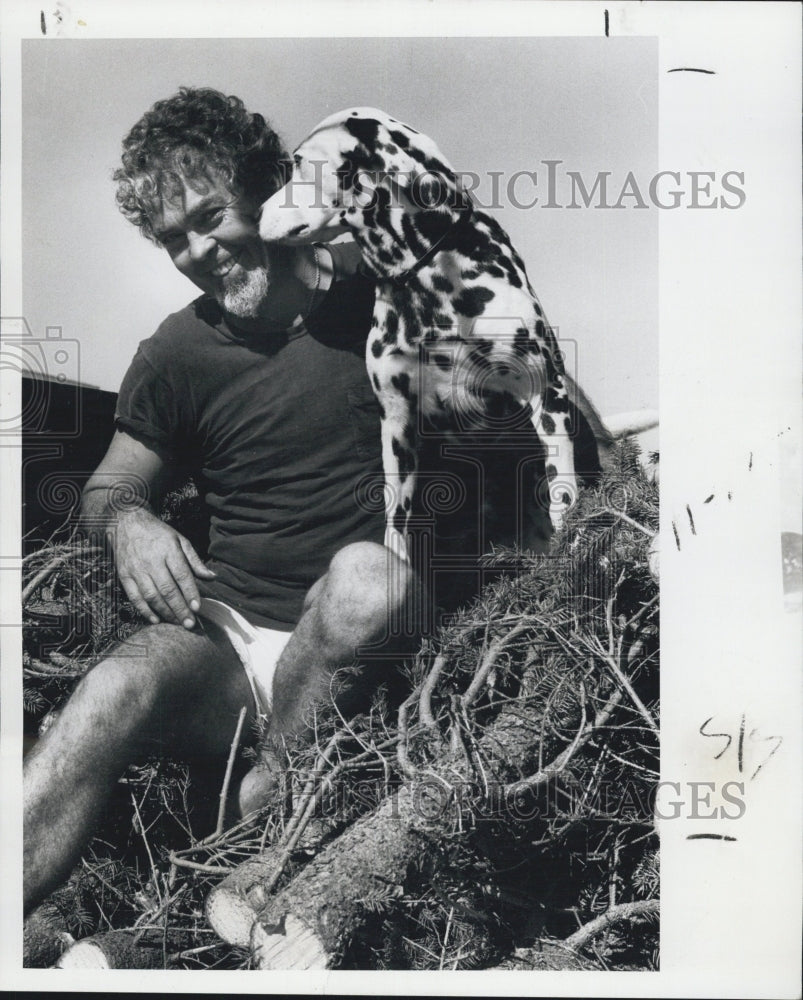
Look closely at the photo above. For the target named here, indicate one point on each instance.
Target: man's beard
(244, 294)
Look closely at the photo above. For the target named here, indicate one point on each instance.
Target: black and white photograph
(401, 461)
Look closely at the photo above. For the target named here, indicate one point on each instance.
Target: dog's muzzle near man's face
(300, 213)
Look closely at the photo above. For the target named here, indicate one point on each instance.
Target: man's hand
(157, 568)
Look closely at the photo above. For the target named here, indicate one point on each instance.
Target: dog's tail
(603, 432)
(623, 425)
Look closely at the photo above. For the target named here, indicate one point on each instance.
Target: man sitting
(259, 388)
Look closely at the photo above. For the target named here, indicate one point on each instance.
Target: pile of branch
(502, 813)
(531, 728)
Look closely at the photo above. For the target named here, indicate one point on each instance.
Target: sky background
(491, 104)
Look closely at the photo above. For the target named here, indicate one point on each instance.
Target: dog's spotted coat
(456, 325)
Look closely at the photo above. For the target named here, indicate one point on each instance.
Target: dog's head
(362, 171)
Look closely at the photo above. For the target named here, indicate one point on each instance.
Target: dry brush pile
(492, 807)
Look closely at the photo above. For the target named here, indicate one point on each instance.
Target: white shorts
(259, 648)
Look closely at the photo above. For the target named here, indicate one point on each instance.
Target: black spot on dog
(400, 138)
(551, 472)
(470, 274)
(512, 275)
(547, 423)
(443, 361)
(399, 519)
(495, 271)
(472, 301)
(521, 341)
(432, 225)
(391, 148)
(392, 323)
(538, 310)
(364, 129)
(375, 381)
(555, 403)
(411, 238)
(540, 329)
(442, 283)
(443, 321)
(401, 383)
(405, 457)
(407, 503)
(377, 348)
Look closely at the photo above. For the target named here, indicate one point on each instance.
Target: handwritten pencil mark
(691, 69)
(725, 736)
(709, 836)
(691, 520)
(765, 739)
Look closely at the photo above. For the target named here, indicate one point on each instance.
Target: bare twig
(628, 687)
(197, 866)
(622, 911)
(624, 517)
(548, 772)
(402, 750)
(147, 846)
(224, 792)
(489, 660)
(425, 699)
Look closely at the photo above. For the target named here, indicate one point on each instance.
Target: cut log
(116, 950)
(232, 906)
(309, 923)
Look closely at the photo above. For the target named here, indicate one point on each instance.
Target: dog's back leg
(552, 419)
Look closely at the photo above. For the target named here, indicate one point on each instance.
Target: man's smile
(222, 269)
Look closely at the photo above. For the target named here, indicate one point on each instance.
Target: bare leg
(181, 690)
(362, 601)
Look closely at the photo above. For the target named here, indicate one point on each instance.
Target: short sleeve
(147, 406)
(346, 259)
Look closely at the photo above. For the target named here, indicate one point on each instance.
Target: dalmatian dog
(456, 325)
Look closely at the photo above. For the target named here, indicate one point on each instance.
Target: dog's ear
(427, 188)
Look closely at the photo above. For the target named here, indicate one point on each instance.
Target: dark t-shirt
(278, 430)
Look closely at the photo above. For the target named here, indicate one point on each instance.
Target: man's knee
(369, 594)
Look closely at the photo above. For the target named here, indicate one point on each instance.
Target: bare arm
(157, 566)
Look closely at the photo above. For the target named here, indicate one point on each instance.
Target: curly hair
(186, 135)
